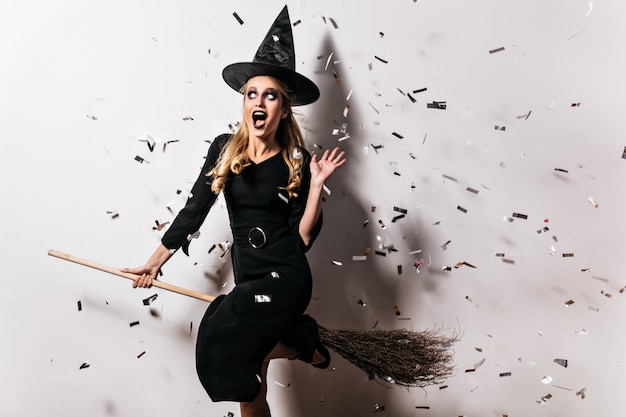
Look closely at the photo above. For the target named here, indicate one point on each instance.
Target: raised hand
(322, 169)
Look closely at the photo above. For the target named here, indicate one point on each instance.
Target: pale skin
(262, 97)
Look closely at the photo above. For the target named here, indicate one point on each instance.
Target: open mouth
(258, 119)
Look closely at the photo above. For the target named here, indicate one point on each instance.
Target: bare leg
(259, 407)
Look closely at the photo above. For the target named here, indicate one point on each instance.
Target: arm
(188, 220)
(320, 172)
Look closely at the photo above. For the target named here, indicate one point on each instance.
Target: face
(263, 106)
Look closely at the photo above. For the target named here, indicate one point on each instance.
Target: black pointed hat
(275, 57)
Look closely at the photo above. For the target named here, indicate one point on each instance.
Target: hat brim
(303, 90)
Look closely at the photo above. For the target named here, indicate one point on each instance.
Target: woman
(273, 192)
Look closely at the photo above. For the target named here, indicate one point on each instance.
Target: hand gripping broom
(403, 357)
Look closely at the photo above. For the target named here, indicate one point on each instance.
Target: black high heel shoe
(325, 353)
(304, 338)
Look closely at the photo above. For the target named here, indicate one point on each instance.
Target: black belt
(258, 237)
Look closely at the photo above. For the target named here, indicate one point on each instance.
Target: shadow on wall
(347, 293)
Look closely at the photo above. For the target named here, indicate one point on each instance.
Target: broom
(403, 357)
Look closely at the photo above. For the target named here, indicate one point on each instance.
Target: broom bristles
(403, 357)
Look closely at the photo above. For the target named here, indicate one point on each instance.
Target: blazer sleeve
(298, 204)
(191, 217)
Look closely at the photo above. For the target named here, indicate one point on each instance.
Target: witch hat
(275, 57)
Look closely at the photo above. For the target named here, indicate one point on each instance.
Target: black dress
(272, 276)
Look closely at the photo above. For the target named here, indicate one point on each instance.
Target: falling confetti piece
(396, 310)
(545, 398)
(84, 365)
(134, 323)
(381, 60)
(362, 303)
(336, 75)
(503, 374)
(377, 147)
(141, 354)
(159, 226)
(441, 105)
(338, 263)
(592, 201)
(520, 216)
(149, 300)
(89, 116)
(463, 263)
(500, 49)
(562, 362)
(238, 18)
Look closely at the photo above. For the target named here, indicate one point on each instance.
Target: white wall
(141, 67)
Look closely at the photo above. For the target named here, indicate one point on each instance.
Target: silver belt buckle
(257, 237)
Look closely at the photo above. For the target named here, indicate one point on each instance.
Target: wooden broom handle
(127, 275)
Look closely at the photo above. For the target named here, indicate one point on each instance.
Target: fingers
(336, 156)
(144, 277)
(143, 281)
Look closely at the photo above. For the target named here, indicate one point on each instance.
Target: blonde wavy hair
(234, 156)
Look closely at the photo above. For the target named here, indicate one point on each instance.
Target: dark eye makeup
(270, 94)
